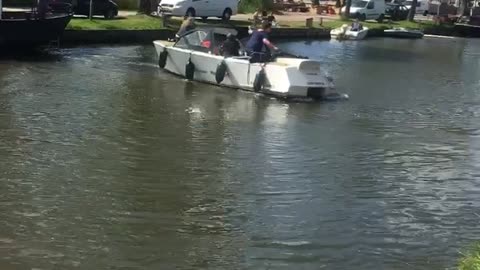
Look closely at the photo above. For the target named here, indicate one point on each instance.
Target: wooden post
(309, 22)
(91, 10)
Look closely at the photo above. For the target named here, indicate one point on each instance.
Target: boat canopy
(204, 39)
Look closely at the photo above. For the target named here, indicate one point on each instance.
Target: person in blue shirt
(256, 42)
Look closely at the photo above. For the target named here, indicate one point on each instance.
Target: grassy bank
(143, 22)
(471, 259)
(138, 22)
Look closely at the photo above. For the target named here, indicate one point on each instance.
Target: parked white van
(422, 6)
(199, 8)
(367, 10)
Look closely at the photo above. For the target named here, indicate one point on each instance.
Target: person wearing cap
(257, 41)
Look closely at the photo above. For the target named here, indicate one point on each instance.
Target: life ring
(162, 59)
(259, 81)
(189, 69)
(220, 72)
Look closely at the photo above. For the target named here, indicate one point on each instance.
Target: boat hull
(339, 33)
(467, 30)
(405, 34)
(288, 78)
(20, 31)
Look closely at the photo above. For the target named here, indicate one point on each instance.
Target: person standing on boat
(256, 42)
(187, 25)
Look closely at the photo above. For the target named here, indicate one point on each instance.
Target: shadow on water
(30, 54)
(387, 54)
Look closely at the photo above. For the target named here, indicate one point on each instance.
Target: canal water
(108, 163)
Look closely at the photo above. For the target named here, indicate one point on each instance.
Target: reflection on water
(107, 162)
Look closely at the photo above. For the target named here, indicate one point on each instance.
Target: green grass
(138, 22)
(471, 260)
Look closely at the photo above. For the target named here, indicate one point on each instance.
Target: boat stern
(299, 78)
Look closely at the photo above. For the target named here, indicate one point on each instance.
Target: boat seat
(241, 57)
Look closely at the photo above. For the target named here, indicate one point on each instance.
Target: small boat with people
(401, 32)
(214, 55)
(346, 32)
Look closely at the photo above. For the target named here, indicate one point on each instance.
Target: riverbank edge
(147, 36)
(79, 37)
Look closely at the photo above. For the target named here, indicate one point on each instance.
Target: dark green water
(108, 163)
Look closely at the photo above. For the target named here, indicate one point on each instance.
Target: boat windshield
(203, 41)
(195, 40)
(359, 4)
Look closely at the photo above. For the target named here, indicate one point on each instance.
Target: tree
(413, 10)
(338, 3)
(462, 7)
(145, 7)
(348, 4)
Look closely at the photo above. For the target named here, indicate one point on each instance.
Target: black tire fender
(220, 72)
(189, 70)
(162, 58)
(259, 81)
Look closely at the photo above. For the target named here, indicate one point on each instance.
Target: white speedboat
(401, 32)
(196, 57)
(345, 32)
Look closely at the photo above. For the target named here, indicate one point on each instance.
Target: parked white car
(367, 10)
(422, 6)
(199, 8)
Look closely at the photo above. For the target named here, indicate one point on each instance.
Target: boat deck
(167, 43)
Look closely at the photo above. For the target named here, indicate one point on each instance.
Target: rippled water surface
(108, 163)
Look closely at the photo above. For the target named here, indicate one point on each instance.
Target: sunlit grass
(471, 259)
(138, 22)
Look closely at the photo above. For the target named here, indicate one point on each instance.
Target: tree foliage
(249, 6)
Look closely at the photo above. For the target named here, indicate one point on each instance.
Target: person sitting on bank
(256, 42)
(231, 46)
(271, 19)
(257, 17)
(264, 15)
(187, 25)
(356, 26)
